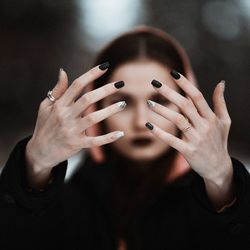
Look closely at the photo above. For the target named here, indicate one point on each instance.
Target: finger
(168, 138)
(195, 94)
(102, 114)
(102, 139)
(219, 103)
(76, 88)
(95, 95)
(178, 119)
(60, 87)
(180, 101)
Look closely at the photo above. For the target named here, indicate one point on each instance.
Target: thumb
(60, 87)
(219, 103)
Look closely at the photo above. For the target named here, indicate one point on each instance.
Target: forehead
(138, 75)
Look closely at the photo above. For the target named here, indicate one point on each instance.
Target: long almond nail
(119, 84)
(223, 82)
(122, 104)
(60, 72)
(150, 103)
(104, 66)
(149, 125)
(156, 83)
(175, 74)
(118, 134)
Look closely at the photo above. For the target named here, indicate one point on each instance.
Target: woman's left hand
(205, 133)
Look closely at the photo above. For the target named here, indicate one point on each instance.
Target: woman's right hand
(60, 130)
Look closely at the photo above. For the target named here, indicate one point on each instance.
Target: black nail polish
(149, 125)
(156, 83)
(119, 85)
(175, 74)
(104, 66)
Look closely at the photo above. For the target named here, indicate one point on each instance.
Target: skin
(205, 141)
(205, 144)
(60, 127)
(137, 75)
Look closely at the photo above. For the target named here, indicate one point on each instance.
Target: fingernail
(156, 83)
(150, 103)
(60, 71)
(122, 104)
(118, 134)
(104, 66)
(223, 82)
(119, 84)
(175, 74)
(149, 125)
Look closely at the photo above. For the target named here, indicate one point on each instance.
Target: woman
(158, 174)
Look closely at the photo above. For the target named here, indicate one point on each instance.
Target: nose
(140, 116)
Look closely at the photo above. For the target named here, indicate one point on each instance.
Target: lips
(141, 142)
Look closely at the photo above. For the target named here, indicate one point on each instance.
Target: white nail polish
(222, 82)
(150, 103)
(118, 134)
(59, 73)
(122, 104)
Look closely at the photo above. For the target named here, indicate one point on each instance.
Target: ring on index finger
(50, 96)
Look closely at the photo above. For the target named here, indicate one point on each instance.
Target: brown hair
(138, 45)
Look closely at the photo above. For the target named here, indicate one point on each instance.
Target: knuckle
(56, 108)
(192, 152)
(86, 99)
(199, 140)
(206, 129)
(227, 122)
(213, 118)
(66, 134)
(185, 104)
(77, 84)
(89, 142)
(179, 119)
(197, 97)
(58, 113)
(90, 119)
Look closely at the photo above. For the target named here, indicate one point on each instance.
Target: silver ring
(50, 96)
(186, 129)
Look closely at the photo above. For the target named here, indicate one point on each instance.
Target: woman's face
(138, 143)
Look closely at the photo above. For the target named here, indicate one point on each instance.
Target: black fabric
(78, 215)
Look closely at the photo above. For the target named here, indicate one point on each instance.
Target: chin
(143, 155)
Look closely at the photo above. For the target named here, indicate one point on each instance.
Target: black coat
(78, 215)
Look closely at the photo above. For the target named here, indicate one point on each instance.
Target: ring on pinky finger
(168, 138)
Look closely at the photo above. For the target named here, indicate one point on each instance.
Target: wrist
(223, 174)
(33, 160)
(221, 190)
(37, 175)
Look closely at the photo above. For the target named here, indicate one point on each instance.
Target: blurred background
(37, 37)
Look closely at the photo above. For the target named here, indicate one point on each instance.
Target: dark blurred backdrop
(37, 37)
